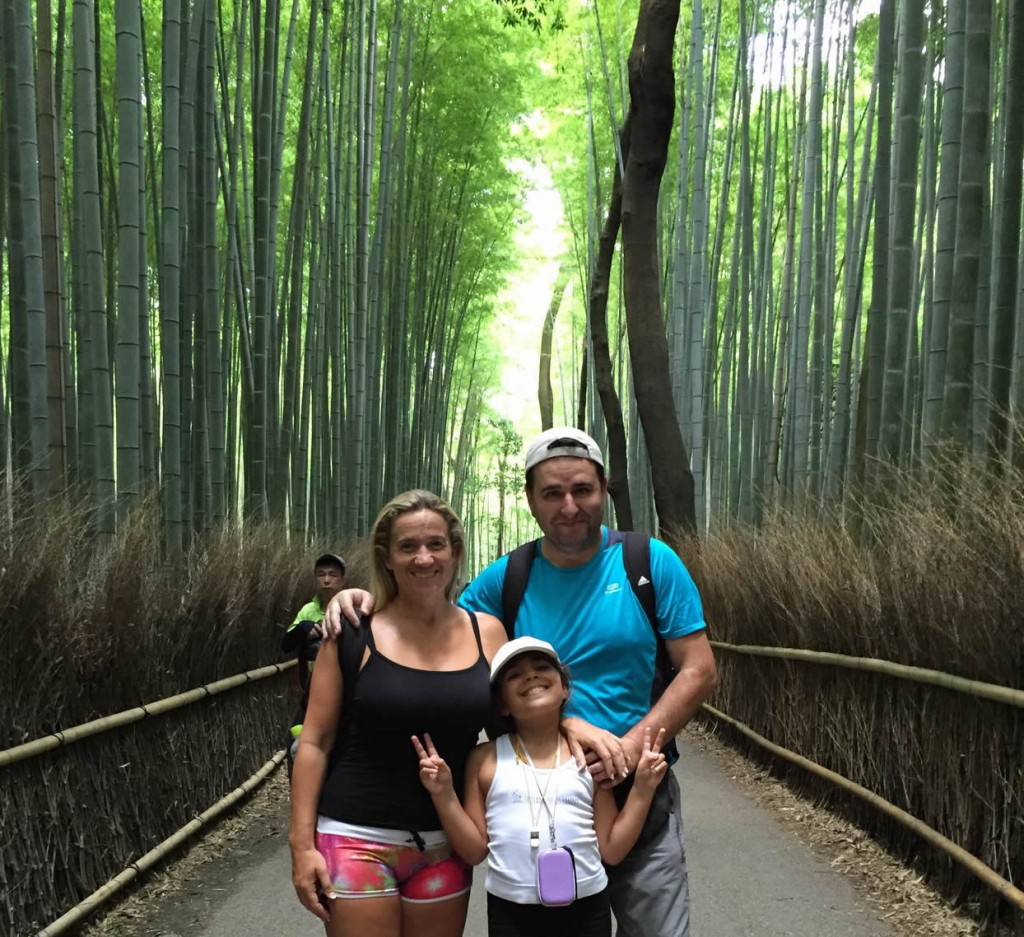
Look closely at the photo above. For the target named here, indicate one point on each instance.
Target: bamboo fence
(128, 716)
(104, 893)
(989, 877)
(975, 688)
(74, 814)
(924, 754)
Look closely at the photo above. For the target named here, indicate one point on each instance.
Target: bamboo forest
(264, 264)
(254, 252)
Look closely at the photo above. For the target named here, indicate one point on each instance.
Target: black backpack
(636, 558)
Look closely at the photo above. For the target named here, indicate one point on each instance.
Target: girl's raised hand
(435, 775)
(652, 765)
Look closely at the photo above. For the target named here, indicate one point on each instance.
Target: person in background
(538, 817)
(369, 855)
(305, 633)
(578, 598)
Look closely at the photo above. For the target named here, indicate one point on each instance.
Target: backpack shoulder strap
(351, 644)
(636, 557)
(513, 587)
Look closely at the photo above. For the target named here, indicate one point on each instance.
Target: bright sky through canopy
(524, 302)
(774, 66)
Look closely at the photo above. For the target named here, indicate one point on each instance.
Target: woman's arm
(492, 634)
(309, 871)
(617, 830)
(464, 826)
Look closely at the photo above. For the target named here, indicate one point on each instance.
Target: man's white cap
(562, 441)
(522, 646)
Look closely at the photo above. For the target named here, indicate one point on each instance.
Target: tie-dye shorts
(360, 868)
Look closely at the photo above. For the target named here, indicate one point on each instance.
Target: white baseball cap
(562, 441)
(519, 646)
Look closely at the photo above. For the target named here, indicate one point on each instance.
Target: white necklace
(530, 771)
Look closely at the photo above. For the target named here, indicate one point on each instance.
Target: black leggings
(585, 917)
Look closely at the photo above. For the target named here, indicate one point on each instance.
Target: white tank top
(512, 862)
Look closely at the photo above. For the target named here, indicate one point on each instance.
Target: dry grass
(93, 628)
(102, 627)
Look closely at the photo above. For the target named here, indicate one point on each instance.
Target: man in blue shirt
(578, 599)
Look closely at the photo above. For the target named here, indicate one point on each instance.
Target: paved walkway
(748, 876)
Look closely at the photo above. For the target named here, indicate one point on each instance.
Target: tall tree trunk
(24, 233)
(874, 356)
(697, 275)
(857, 214)
(544, 395)
(652, 105)
(215, 337)
(170, 277)
(973, 178)
(97, 412)
(1006, 242)
(902, 268)
(947, 207)
(746, 365)
(259, 430)
(604, 379)
(53, 282)
(129, 263)
(809, 235)
(300, 254)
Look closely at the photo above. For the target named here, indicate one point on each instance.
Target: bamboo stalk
(128, 716)
(976, 688)
(87, 906)
(989, 876)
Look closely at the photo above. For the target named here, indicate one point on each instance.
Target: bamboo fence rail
(989, 876)
(87, 906)
(128, 716)
(976, 688)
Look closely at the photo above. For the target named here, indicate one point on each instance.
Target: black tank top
(374, 774)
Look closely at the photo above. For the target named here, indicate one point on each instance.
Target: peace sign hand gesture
(652, 765)
(435, 775)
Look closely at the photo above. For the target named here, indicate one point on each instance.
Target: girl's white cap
(522, 646)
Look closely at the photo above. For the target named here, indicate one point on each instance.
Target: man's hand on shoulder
(348, 603)
(601, 752)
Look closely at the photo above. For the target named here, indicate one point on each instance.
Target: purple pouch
(556, 876)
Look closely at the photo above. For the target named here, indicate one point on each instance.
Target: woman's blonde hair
(382, 580)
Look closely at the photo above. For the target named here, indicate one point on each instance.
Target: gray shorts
(649, 890)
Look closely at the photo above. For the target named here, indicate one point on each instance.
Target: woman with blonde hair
(369, 855)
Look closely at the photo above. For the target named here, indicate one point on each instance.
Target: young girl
(544, 826)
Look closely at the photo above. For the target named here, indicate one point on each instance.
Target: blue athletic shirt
(592, 618)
